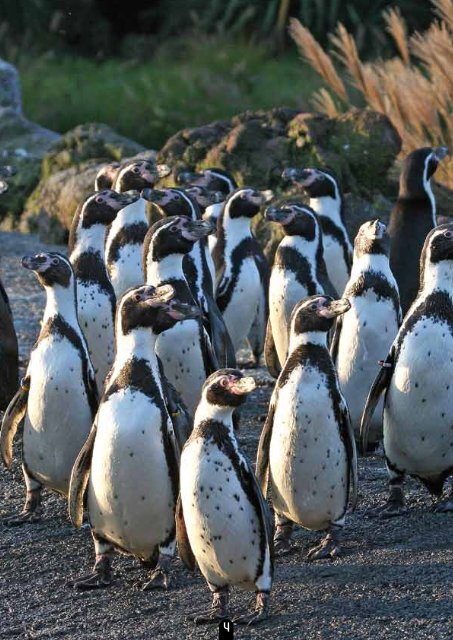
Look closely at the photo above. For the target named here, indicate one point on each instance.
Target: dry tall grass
(414, 89)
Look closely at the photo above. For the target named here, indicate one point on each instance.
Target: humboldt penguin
(411, 219)
(129, 463)
(222, 519)
(124, 243)
(307, 451)
(106, 175)
(298, 271)
(95, 296)
(416, 379)
(184, 349)
(326, 199)
(177, 202)
(58, 396)
(364, 335)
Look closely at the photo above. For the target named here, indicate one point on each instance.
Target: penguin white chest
(58, 417)
(130, 496)
(336, 266)
(126, 271)
(95, 314)
(308, 468)
(180, 352)
(242, 307)
(222, 525)
(418, 412)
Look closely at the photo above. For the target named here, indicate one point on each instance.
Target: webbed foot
(159, 578)
(282, 539)
(99, 578)
(218, 611)
(31, 513)
(261, 611)
(329, 548)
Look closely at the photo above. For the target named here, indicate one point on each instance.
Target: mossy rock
(87, 142)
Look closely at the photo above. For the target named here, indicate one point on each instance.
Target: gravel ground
(394, 580)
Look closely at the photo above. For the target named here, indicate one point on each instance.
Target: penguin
(306, 451)
(222, 519)
(326, 199)
(411, 219)
(124, 242)
(95, 295)
(177, 202)
(364, 335)
(106, 175)
(57, 398)
(184, 349)
(298, 271)
(416, 381)
(239, 287)
(129, 464)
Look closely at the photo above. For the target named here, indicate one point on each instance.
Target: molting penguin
(185, 349)
(412, 217)
(129, 463)
(364, 335)
(239, 288)
(417, 380)
(95, 296)
(124, 243)
(222, 519)
(326, 199)
(307, 449)
(298, 271)
(177, 202)
(57, 397)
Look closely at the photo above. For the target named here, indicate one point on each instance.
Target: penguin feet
(261, 611)
(282, 539)
(159, 578)
(329, 548)
(99, 578)
(218, 611)
(390, 509)
(31, 513)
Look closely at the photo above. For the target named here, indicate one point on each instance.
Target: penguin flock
(131, 399)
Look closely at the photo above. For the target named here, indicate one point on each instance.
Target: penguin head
(317, 183)
(101, 207)
(152, 307)
(138, 175)
(296, 219)
(438, 247)
(372, 237)
(317, 313)
(227, 388)
(418, 168)
(173, 202)
(105, 177)
(213, 179)
(244, 202)
(51, 268)
(174, 235)
(204, 197)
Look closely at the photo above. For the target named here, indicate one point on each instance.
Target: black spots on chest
(57, 326)
(329, 228)
(129, 234)
(376, 282)
(436, 308)
(290, 259)
(89, 269)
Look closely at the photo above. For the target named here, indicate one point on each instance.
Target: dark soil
(394, 580)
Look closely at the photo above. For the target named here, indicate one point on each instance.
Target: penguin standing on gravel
(364, 335)
(129, 463)
(95, 295)
(222, 519)
(307, 450)
(417, 380)
(412, 218)
(298, 271)
(326, 199)
(124, 242)
(239, 287)
(57, 397)
(184, 349)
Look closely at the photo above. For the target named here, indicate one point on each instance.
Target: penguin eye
(176, 196)
(174, 228)
(55, 261)
(224, 382)
(136, 170)
(313, 306)
(99, 199)
(448, 234)
(137, 297)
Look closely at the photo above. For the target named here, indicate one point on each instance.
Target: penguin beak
(200, 229)
(35, 263)
(440, 153)
(380, 229)
(335, 308)
(242, 386)
(156, 296)
(152, 195)
(304, 177)
(282, 216)
(188, 177)
(120, 200)
(182, 311)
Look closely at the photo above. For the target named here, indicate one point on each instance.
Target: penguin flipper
(336, 338)
(177, 410)
(351, 451)
(220, 338)
(379, 385)
(209, 355)
(14, 415)
(79, 478)
(262, 456)
(265, 513)
(182, 539)
(270, 353)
